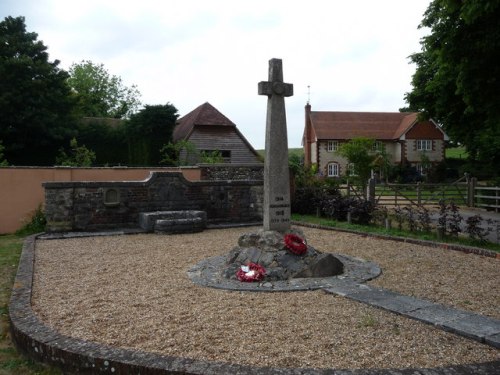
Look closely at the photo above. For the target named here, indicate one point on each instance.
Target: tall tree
(148, 130)
(3, 162)
(101, 94)
(36, 104)
(457, 79)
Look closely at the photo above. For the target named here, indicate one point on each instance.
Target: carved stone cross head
(275, 85)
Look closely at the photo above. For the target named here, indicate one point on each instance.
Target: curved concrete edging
(44, 344)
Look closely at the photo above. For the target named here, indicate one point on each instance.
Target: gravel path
(133, 292)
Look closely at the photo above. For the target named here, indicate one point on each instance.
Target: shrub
(308, 200)
(474, 230)
(424, 219)
(80, 156)
(338, 207)
(36, 224)
(449, 218)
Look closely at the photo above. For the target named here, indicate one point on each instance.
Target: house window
(424, 145)
(333, 146)
(333, 170)
(225, 154)
(420, 169)
(377, 146)
(351, 169)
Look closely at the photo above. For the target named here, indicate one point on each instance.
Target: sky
(339, 55)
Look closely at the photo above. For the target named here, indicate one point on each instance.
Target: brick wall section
(81, 206)
(243, 172)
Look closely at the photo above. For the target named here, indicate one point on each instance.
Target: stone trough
(170, 222)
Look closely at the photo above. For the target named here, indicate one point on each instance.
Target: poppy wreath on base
(251, 272)
(295, 244)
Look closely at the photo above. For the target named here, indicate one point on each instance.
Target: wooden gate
(421, 194)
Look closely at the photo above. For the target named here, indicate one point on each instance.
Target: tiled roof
(348, 125)
(205, 114)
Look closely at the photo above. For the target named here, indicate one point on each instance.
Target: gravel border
(46, 345)
(43, 343)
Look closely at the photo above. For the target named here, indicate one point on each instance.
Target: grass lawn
(456, 153)
(11, 362)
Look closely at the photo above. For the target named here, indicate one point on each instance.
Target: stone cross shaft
(276, 173)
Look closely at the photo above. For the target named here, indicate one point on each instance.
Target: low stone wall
(240, 172)
(90, 206)
(21, 191)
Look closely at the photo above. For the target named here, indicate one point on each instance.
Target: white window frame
(333, 169)
(420, 169)
(333, 146)
(424, 144)
(377, 146)
(351, 170)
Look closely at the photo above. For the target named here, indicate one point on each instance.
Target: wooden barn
(209, 130)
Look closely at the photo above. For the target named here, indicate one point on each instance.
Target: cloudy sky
(353, 54)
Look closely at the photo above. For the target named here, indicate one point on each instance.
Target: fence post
(370, 191)
(419, 197)
(348, 188)
(471, 190)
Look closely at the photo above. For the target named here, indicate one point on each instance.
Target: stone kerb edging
(44, 344)
(462, 248)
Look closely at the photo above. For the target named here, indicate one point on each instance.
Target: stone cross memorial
(276, 173)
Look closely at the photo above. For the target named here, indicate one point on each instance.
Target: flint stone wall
(239, 172)
(91, 206)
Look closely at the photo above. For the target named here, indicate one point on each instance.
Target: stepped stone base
(170, 222)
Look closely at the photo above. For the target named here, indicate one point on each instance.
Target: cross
(276, 208)
(275, 85)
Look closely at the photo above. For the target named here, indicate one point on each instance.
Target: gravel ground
(133, 292)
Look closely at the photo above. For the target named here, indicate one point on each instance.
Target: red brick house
(404, 138)
(209, 130)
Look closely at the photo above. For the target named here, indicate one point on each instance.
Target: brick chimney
(307, 140)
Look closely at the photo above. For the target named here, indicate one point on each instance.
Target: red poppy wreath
(295, 244)
(251, 272)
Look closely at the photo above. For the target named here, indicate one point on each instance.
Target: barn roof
(204, 115)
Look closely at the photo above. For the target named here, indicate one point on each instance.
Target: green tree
(179, 153)
(101, 94)
(36, 105)
(148, 130)
(211, 157)
(80, 156)
(3, 162)
(457, 77)
(107, 138)
(358, 152)
(382, 163)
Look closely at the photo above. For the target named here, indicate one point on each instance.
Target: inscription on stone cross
(276, 173)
